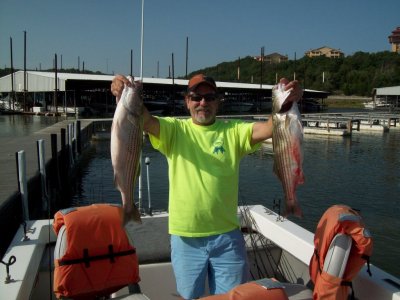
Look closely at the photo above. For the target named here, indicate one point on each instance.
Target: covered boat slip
(390, 96)
(283, 251)
(75, 91)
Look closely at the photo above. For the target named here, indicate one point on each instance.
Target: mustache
(201, 109)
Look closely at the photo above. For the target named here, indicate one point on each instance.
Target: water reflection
(22, 125)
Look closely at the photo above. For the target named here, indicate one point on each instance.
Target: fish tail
(136, 215)
(132, 215)
(292, 207)
(131, 211)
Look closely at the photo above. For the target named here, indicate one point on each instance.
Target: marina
(60, 194)
(90, 94)
(93, 183)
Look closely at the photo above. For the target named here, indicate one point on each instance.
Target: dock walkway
(10, 146)
(344, 124)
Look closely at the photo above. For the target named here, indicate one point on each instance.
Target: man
(203, 155)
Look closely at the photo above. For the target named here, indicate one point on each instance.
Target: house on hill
(394, 40)
(273, 58)
(325, 51)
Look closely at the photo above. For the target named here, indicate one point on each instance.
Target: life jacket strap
(317, 256)
(86, 259)
(366, 257)
(349, 284)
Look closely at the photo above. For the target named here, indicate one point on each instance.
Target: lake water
(362, 171)
(22, 125)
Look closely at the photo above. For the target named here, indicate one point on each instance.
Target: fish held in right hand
(287, 139)
(126, 146)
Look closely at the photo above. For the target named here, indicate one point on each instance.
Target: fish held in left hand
(126, 146)
(287, 139)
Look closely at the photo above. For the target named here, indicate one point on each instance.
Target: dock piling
(54, 158)
(23, 187)
(78, 137)
(70, 148)
(42, 171)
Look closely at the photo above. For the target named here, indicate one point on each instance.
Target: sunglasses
(206, 97)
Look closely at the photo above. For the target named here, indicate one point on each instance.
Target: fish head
(280, 101)
(132, 97)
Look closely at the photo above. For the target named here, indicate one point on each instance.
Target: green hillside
(356, 74)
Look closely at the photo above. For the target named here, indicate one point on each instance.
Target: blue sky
(102, 33)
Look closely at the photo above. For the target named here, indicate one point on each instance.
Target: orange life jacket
(339, 219)
(97, 259)
(259, 290)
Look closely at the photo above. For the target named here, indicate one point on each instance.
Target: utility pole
(24, 70)
(131, 62)
(261, 66)
(187, 55)
(55, 83)
(11, 99)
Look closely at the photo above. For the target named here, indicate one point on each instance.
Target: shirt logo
(218, 146)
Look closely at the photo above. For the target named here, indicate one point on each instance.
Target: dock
(62, 148)
(329, 125)
(345, 124)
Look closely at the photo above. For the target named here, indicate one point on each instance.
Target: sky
(102, 33)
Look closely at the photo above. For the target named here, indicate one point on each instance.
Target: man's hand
(295, 94)
(118, 84)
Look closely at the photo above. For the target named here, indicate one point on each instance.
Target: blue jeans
(221, 257)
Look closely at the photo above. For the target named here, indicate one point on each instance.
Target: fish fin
(300, 176)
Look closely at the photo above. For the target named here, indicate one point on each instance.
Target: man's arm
(261, 131)
(150, 123)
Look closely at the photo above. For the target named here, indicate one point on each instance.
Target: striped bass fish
(126, 146)
(287, 139)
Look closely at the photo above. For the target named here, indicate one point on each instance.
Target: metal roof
(45, 81)
(38, 81)
(388, 91)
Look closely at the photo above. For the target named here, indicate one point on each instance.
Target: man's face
(203, 109)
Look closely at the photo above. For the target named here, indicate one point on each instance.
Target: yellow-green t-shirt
(203, 173)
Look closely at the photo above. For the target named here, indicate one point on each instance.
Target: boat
(9, 107)
(277, 248)
(377, 104)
